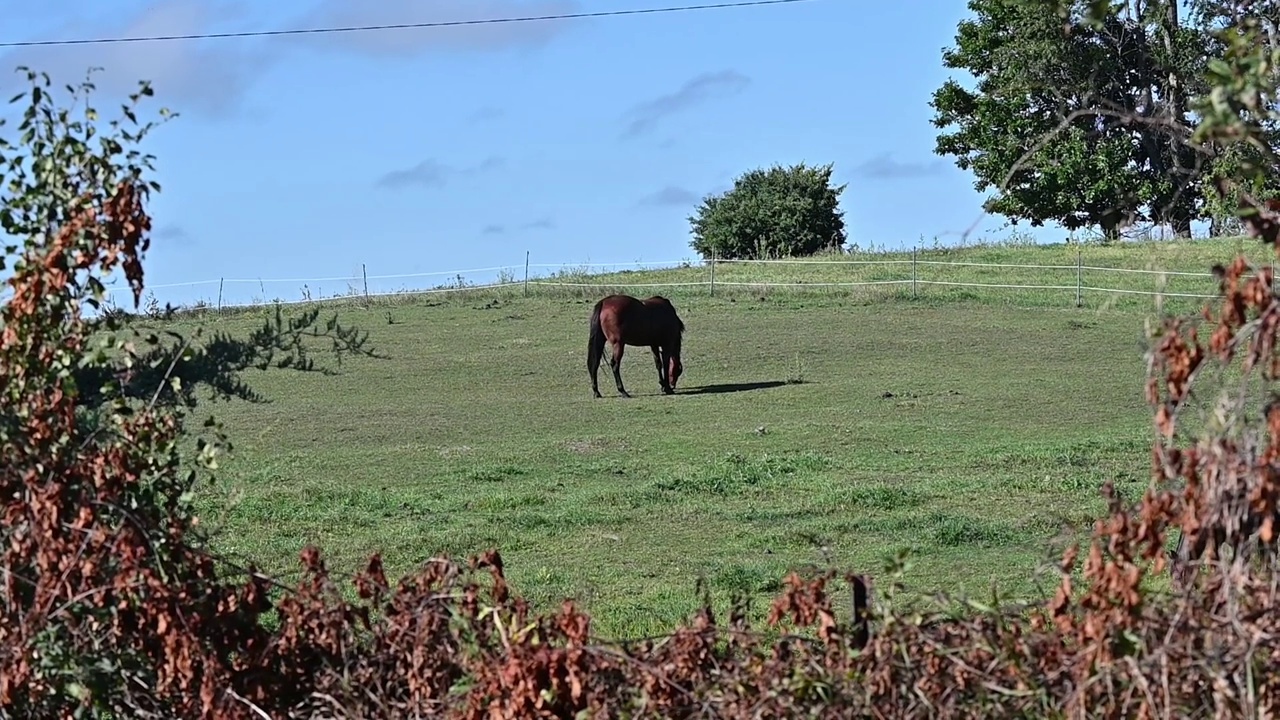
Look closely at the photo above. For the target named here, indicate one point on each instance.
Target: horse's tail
(595, 342)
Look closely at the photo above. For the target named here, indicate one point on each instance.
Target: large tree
(771, 212)
(1169, 60)
(1252, 162)
(1087, 127)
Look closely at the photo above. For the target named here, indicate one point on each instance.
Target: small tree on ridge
(776, 212)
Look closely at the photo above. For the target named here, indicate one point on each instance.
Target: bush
(111, 599)
(782, 211)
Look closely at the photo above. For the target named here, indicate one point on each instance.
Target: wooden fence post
(914, 252)
(1079, 279)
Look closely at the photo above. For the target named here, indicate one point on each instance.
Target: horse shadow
(732, 387)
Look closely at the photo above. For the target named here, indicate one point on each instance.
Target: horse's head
(674, 368)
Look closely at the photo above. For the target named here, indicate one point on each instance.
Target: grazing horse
(623, 320)
(1244, 546)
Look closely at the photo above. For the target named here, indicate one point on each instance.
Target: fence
(915, 272)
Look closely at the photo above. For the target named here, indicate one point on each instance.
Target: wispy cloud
(493, 162)
(501, 229)
(208, 79)
(173, 233)
(432, 173)
(539, 224)
(671, 195)
(884, 167)
(411, 42)
(486, 114)
(427, 173)
(700, 89)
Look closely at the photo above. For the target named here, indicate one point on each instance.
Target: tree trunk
(1181, 227)
(1177, 99)
(1110, 222)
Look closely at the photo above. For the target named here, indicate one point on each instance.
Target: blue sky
(430, 150)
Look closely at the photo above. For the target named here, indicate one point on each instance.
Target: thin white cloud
(433, 173)
(542, 223)
(172, 233)
(486, 114)
(416, 41)
(697, 90)
(671, 195)
(884, 167)
(208, 78)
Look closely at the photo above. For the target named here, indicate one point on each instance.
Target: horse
(1244, 544)
(623, 320)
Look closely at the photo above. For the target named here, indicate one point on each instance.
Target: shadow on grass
(733, 387)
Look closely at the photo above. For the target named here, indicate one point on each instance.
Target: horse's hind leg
(663, 383)
(615, 362)
(593, 367)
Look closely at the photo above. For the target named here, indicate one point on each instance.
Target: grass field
(811, 426)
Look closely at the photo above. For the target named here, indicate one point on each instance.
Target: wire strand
(396, 26)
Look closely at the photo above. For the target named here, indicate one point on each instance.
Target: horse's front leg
(660, 360)
(1189, 554)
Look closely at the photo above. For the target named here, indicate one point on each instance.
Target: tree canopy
(1090, 127)
(774, 212)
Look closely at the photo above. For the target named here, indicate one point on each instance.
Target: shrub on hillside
(781, 211)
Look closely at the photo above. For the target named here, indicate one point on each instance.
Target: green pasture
(813, 426)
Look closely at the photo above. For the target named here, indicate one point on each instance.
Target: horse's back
(615, 309)
(619, 301)
(637, 321)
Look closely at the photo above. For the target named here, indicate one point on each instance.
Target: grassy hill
(813, 424)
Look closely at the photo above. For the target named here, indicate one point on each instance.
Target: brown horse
(623, 320)
(1209, 542)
